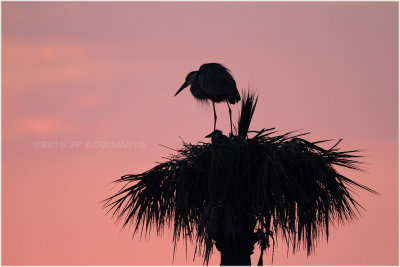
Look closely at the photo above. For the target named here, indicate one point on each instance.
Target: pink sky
(78, 72)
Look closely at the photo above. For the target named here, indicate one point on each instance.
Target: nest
(282, 185)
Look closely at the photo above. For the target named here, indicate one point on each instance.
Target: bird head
(216, 133)
(218, 137)
(190, 78)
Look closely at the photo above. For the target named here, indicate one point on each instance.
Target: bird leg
(215, 115)
(230, 116)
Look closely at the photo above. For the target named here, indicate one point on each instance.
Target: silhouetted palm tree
(242, 190)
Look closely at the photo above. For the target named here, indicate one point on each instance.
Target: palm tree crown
(263, 186)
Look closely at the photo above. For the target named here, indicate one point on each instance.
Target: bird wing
(217, 83)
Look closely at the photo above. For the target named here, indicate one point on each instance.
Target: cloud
(39, 126)
(27, 63)
(90, 100)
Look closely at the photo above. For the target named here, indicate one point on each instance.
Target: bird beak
(184, 85)
(210, 135)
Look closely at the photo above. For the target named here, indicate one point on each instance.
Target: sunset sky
(79, 78)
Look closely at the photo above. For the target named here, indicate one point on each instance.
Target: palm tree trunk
(235, 259)
(238, 252)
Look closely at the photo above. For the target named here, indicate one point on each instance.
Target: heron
(212, 82)
(217, 137)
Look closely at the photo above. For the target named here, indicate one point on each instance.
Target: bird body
(212, 82)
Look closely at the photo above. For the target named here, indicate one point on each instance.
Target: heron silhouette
(217, 137)
(212, 82)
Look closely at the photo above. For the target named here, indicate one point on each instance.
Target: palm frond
(249, 103)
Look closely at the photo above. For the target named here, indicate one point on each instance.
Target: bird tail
(236, 97)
